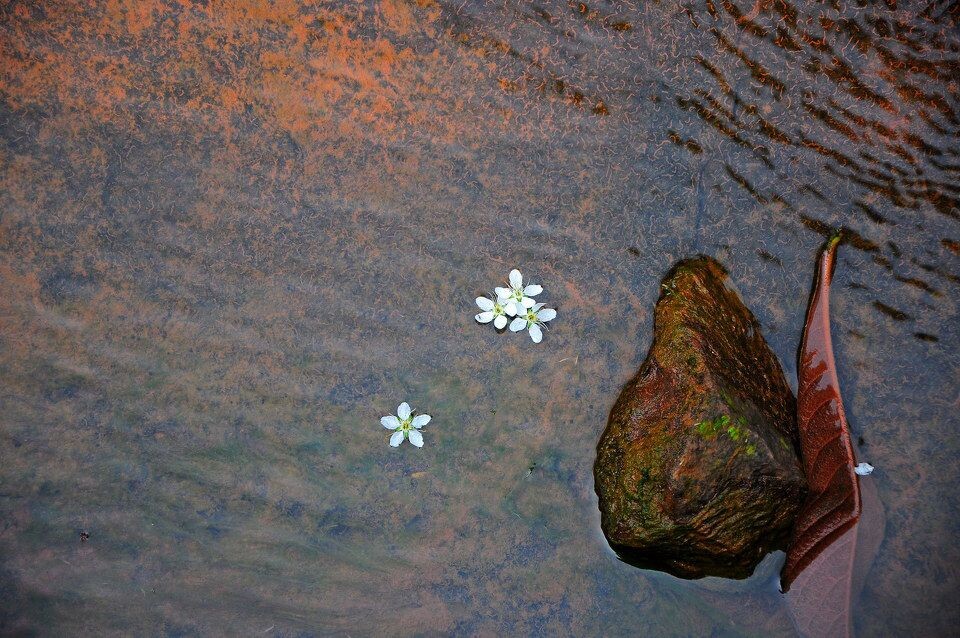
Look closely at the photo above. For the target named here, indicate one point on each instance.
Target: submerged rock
(698, 470)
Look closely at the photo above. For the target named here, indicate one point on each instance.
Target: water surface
(234, 235)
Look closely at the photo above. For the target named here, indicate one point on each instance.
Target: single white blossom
(863, 469)
(492, 311)
(518, 297)
(405, 425)
(532, 320)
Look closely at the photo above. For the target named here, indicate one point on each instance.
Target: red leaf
(822, 596)
(829, 545)
(833, 505)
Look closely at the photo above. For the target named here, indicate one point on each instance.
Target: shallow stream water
(235, 234)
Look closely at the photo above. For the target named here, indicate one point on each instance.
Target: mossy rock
(698, 471)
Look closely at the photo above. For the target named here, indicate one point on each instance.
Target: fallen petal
(863, 469)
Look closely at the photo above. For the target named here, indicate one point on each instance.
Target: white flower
(518, 297)
(532, 320)
(863, 469)
(405, 425)
(492, 311)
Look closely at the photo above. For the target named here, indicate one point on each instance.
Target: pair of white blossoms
(516, 302)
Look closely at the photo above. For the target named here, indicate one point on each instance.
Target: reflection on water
(234, 237)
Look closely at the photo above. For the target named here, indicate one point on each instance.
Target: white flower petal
(484, 317)
(502, 293)
(518, 324)
(390, 422)
(863, 469)
(396, 439)
(547, 314)
(511, 309)
(416, 438)
(535, 333)
(538, 306)
(403, 411)
(500, 322)
(516, 279)
(533, 290)
(528, 302)
(420, 420)
(484, 303)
